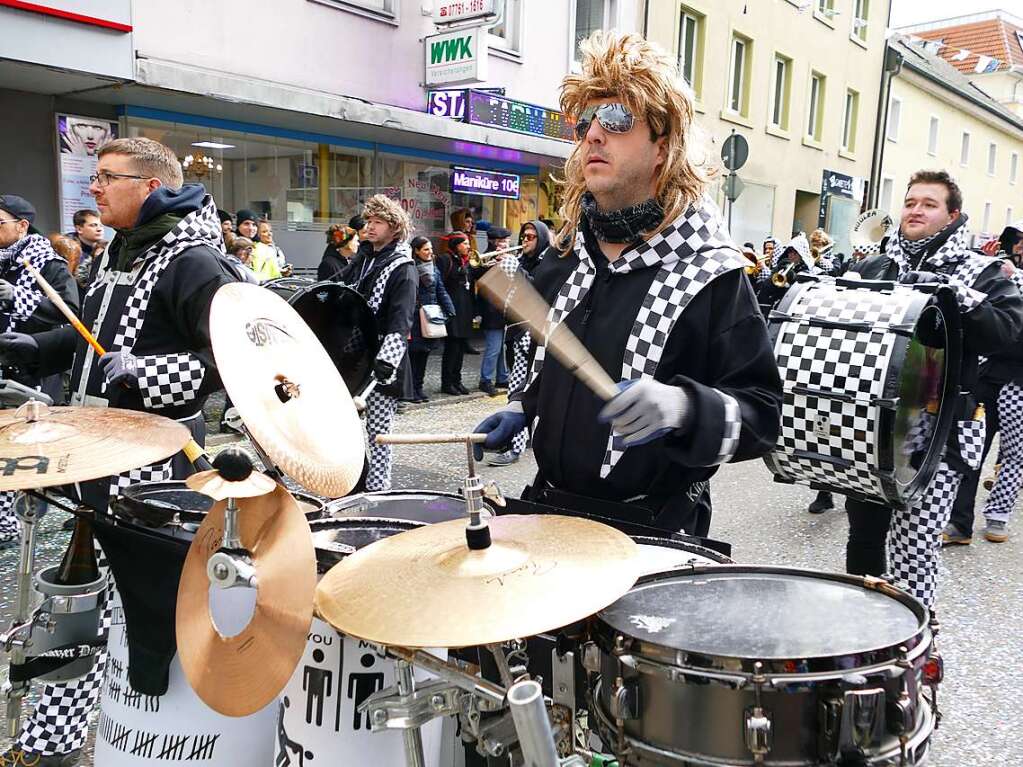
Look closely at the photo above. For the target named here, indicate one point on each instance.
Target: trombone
(487, 260)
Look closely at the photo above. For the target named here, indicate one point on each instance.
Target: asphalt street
(979, 606)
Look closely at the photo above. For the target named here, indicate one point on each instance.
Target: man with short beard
(659, 297)
(930, 248)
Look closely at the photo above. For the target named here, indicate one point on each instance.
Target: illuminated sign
(518, 116)
(486, 183)
(450, 102)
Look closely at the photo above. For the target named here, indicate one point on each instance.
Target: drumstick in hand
(191, 450)
(513, 294)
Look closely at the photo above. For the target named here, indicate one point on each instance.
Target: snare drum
(342, 321)
(421, 507)
(744, 665)
(870, 371)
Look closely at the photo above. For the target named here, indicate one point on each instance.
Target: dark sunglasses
(614, 118)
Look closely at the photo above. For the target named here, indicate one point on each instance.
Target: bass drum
(870, 373)
(341, 320)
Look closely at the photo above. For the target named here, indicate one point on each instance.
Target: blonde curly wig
(383, 207)
(646, 79)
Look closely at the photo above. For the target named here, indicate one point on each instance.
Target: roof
(939, 71)
(993, 35)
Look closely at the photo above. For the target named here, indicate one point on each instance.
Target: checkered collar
(951, 253)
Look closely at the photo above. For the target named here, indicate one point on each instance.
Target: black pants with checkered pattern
(913, 536)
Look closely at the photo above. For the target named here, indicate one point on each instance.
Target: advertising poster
(79, 139)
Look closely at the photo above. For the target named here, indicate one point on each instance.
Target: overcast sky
(905, 12)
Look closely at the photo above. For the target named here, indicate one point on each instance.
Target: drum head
(763, 614)
(335, 539)
(340, 319)
(427, 508)
(661, 554)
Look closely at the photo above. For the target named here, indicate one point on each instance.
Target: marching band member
(149, 306)
(930, 247)
(793, 258)
(384, 273)
(1000, 387)
(659, 297)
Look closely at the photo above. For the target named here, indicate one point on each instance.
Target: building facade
(296, 109)
(800, 80)
(938, 120)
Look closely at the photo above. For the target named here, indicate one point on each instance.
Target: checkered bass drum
(870, 373)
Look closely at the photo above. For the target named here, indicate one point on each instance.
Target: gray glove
(645, 410)
(20, 347)
(120, 367)
(6, 291)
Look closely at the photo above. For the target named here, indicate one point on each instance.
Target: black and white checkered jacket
(675, 307)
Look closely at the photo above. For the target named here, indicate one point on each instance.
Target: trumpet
(783, 277)
(487, 260)
(756, 264)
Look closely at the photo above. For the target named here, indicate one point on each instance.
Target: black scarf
(624, 225)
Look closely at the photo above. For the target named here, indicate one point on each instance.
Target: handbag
(432, 321)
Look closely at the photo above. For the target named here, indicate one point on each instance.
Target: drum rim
(692, 548)
(327, 523)
(329, 504)
(891, 494)
(609, 637)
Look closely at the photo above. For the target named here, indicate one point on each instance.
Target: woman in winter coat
(431, 291)
(455, 272)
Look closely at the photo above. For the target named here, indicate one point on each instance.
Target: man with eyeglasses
(658, 296)
(148, 305)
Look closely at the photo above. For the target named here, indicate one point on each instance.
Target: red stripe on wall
(67, 15)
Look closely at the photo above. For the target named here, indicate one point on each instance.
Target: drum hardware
(758, 720)
(533, 727)
(233, 419)
(487, 260)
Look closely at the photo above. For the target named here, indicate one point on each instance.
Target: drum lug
(855, 723)
(757, 727)
(590, 657)
(902, 714)
(624, 702)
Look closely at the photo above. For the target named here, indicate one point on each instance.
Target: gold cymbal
(426, 588)
(239, 675)
(63, 445)
(289, 394)
(211, 484)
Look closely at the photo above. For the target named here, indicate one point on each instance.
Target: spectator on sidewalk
(493, 371)
(342, 243)
(431, 293)
(266, 257)
(454, 269)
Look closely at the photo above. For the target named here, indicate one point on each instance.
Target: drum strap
(55, 658)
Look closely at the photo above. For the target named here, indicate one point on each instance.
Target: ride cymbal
(426, 588)
(239, 675)
(63, 445)
(286, 389)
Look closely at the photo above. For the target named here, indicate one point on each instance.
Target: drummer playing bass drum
(930, 247)
(149, 306)
(658, 296)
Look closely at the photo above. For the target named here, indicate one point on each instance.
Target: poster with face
(78, 140)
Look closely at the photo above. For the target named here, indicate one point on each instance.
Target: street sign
(733, 187)
(735, 151)
(455, 11)
(458, 57)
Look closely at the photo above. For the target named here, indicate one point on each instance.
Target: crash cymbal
(211, 484)
(63, 445)
(286, 389)
(426, 588)
(241, 674)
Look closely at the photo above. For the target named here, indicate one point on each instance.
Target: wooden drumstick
(191, 449)
(426, 439)
(514, 295)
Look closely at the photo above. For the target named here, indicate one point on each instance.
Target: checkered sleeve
(731, 428)
(392, 351)
(168, 380)
(967, 297)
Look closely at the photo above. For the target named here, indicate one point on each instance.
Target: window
(690, 48)
(386, 9)
(1013, 167)
(887, 192)
(860, 22)
(932, 137)
(738, 92)
(894, 119)
(507, 36)
(852, 109)
(590, 15)
(815, 113)
(992, 158)
(986, 224)
(781, 92)
(826, 7)
(964, 150)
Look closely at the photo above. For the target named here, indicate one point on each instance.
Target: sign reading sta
(454, 11)
(458, 57)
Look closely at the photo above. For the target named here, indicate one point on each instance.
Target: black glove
(19, 347)
(383, 372)
(922, 277)
(6, 291)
